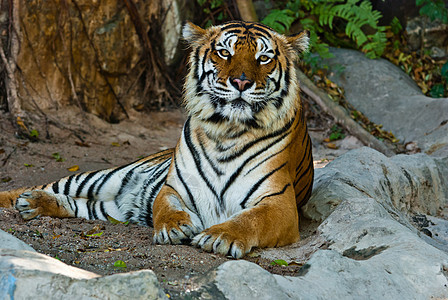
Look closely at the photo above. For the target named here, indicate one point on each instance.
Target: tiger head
(242, 75)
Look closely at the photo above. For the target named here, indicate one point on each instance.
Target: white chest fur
(217, 183)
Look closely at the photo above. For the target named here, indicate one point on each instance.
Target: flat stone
(30, 275)
(8, 241)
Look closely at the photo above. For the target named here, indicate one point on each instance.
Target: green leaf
(120, 264)
(279, 262)
(28, 165)
(6, 179)
(115, 221)
(434, 9)
(58, 157)
(395, 26)
(95, 234)
(437, 91)
(279, 20)
(444, 71)
(34, 133)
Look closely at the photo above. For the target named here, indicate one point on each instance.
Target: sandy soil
(91, 143)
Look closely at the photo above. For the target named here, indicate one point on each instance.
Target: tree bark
(247, 10)
(9, 59)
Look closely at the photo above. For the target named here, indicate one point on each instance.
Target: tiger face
(242, 74)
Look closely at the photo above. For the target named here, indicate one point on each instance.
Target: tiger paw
(176, 229)
(28, 204)
(33, 204)
(222, 241)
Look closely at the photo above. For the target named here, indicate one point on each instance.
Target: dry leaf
(21, 123)
(73, 168)
(82, 144)
(332, 146)
(115, 144)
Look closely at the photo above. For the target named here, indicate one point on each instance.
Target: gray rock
(387, 96)
(8, 241)
(372, 249)
(30, 275)
(424, 33)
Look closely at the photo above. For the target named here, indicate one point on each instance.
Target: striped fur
(241, 168)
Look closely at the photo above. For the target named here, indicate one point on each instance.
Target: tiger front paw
(33, 204)
(220, 239)
(176, 228)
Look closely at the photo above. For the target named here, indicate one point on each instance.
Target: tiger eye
(264, 58)
(224, 53)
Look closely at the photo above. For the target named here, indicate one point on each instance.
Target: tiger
(242, 167)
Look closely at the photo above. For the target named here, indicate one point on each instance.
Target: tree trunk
(247, 10)
(106, 57)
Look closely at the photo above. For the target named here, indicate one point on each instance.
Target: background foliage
(349, 24)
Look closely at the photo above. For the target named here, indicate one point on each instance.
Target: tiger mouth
(239, 103)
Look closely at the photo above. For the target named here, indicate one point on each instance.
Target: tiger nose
(241, 84)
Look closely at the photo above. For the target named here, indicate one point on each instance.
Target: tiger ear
(300, 41)
(192, 33)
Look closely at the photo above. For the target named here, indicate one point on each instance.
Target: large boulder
(8, 241)
(26, 274)
(388, 96)
(367, 202)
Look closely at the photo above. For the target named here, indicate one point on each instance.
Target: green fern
(356, 16)
(316, 15)
(434, 9)
(280, 20)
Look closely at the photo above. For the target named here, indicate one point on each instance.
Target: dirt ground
(90, 143)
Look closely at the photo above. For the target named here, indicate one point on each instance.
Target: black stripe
(190, 196)
(248, 25)
(303, 173)
(252, 123)
(252, 143)
(235, 31)
(196, 158)
(305, 187)
(89, 209)
(76, 207)
(196, 64)
(125, 181)
(68, 184)
(278, 102)
(238, 171)
(92, 187)
(273, 194)
(204, 73)
(267, 158)
(154, 192)
(84, 182)
(299, 166)
(55, 187)
(112, 172)
(227, 26)
(69, 200)
(257, 185)
(103, 211)
(217, 118)
(264, 32)
(95, 215)
(210, 161)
